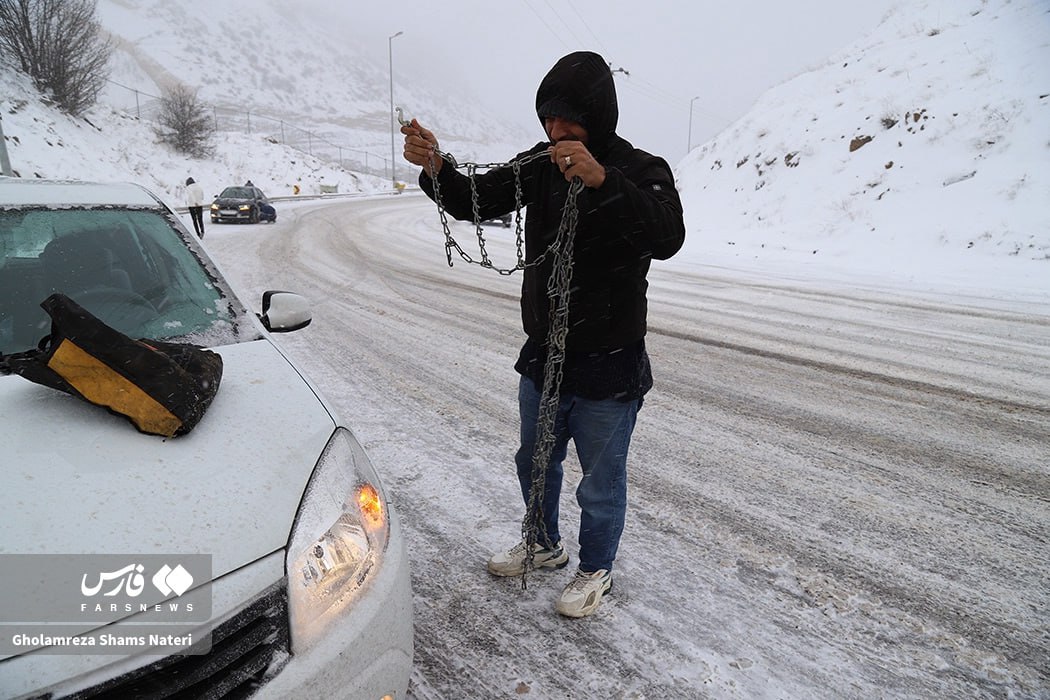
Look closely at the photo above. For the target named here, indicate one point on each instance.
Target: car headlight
(245, 207)
(338, 540)
(214, 207)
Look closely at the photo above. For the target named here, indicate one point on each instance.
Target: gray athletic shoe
(581, 597)
(512, 562)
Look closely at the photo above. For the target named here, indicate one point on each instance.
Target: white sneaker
(581, 597)
(512, 562)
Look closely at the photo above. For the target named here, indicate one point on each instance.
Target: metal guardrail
(337, 195)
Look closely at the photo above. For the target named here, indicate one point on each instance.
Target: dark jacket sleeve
(496, 191)
(640, 203)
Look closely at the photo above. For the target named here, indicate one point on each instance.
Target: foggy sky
(723, 53)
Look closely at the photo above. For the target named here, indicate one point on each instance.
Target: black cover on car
(162, 388)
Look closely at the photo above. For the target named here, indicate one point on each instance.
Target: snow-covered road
(836, 491)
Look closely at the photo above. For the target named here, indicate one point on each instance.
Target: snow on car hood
(77, 479)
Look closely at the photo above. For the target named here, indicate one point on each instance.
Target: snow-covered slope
(270, 57)
(929, 138)
(301, 98)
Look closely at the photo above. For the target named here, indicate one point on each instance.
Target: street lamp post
(690, 146)
(390, 48)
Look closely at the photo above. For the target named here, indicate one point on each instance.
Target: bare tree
(60, 45)
(184, 124)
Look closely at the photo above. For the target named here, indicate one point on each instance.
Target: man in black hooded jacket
(629, 213)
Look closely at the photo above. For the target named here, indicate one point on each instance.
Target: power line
(549, 28)
(597, 41)
(565, 24)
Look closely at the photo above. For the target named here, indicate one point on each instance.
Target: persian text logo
(129, 578)
(131, 581)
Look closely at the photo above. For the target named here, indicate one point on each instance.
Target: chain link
(559, 285)
(519, 235)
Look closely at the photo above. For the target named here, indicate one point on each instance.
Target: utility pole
(390, 50)
(690, 147)
(5, 164)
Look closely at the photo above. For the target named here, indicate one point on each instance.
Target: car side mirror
(283, 312)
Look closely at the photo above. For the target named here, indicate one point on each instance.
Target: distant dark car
(240, 204)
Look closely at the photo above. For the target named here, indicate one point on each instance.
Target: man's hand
(574, 160)
(419, 148)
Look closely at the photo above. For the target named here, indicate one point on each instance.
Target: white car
(309, 589)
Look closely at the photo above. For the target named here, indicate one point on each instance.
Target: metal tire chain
(533, 529)
(519, 235)
(558, 288)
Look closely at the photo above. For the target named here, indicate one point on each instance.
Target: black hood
(580, 87)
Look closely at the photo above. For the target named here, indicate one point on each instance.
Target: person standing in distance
(195, 203)
(629, 213)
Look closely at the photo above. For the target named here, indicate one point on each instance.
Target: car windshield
(131, 268)
(237, 193)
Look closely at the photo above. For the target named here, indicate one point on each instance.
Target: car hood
(232, 201)
(77, 479)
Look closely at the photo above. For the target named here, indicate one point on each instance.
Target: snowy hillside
(927, 139)
(269, 57)
(283, 75)
(112, 145)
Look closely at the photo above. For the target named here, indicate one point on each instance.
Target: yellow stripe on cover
(100, 385)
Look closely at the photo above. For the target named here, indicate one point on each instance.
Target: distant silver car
(309, 588)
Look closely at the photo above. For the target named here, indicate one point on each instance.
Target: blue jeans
(601, 431)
